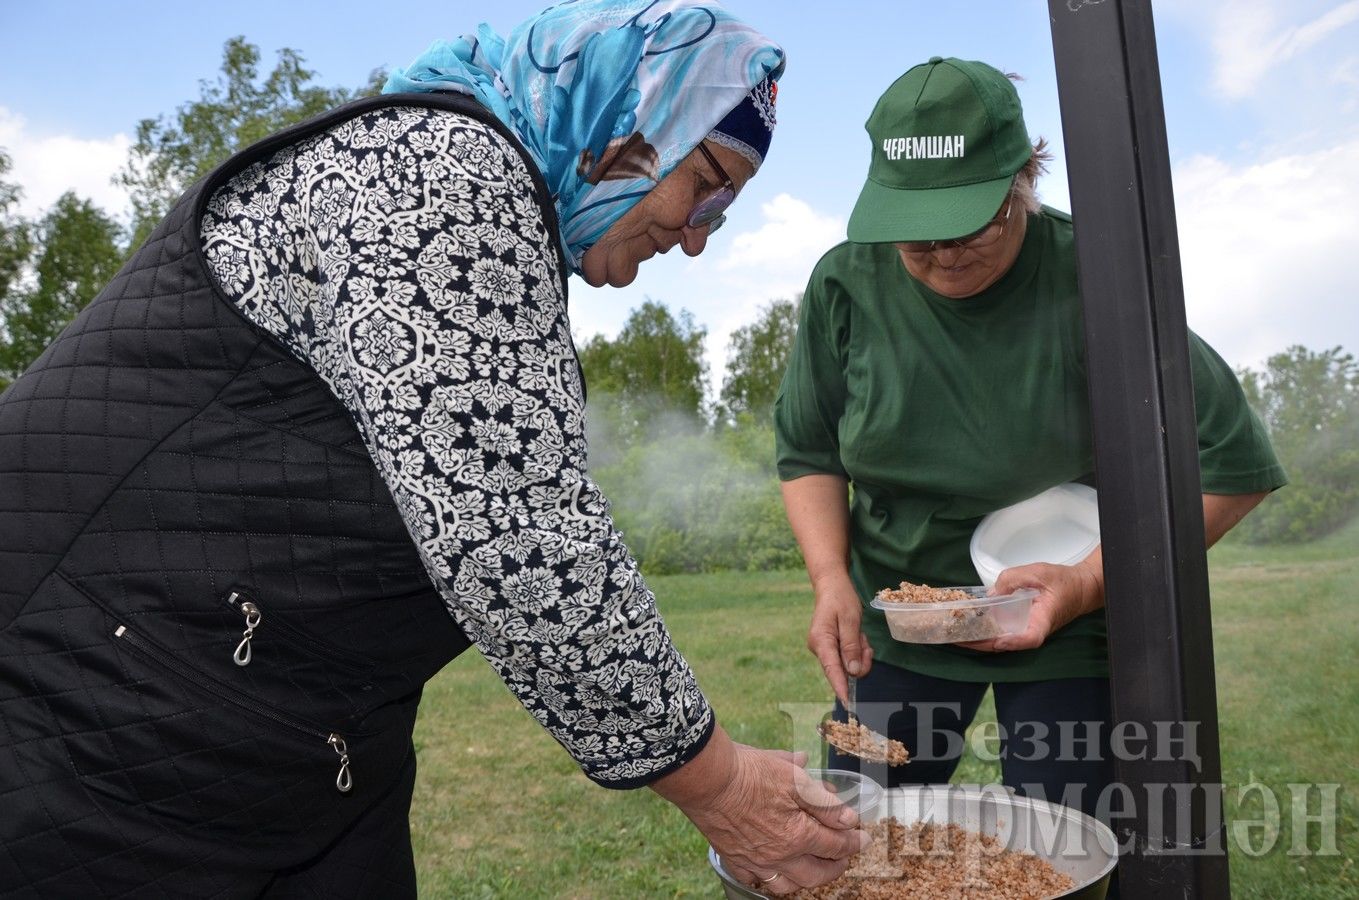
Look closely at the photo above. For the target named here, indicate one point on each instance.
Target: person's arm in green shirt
(1238, 469)
(811, 398)
(815, 486)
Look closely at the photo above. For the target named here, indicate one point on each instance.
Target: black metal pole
(1146, 462)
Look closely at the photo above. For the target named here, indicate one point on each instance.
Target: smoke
(689, 496)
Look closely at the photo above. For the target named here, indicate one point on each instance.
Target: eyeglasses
(711, 210)
(985, 236)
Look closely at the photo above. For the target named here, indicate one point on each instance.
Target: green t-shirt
(940, 411)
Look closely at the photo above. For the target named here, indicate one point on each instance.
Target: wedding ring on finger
(771, 879)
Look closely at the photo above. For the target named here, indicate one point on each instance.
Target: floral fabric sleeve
(403, 256)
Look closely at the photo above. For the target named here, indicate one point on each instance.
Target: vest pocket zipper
(254, 617)
(344, 781)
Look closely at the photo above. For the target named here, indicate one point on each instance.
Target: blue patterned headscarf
(631, 84)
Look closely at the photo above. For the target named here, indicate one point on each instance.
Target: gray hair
(1024, 190)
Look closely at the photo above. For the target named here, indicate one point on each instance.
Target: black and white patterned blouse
(402, 255)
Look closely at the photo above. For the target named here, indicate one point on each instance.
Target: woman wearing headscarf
(324, 431)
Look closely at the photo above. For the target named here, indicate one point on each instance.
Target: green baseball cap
(948, 138)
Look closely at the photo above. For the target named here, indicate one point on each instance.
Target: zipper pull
(344, 782)
(253, 616)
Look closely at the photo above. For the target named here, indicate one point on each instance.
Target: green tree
(15, 241)
(1301, 394)
(651, 377)
(77, 253)
(233, 112)
(757, 356)
(1309, 402)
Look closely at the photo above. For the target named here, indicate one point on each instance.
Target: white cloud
(48, 165)
(1346, 74)
(792, 231)
(1249, 42)
(770, 262)
(1266, 248)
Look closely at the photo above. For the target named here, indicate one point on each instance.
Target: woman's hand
(774, 827)
(1064, 592)
(835, 635)
(1071, 591)
(818, 511)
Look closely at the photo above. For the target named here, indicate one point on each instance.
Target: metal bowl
(1072, 842)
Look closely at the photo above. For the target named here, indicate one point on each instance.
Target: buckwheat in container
(977, 618)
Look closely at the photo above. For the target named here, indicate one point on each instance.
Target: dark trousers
(1054, 735)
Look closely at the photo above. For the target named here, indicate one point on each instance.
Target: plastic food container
(854, 789)
(979, 618)
(1060, 525)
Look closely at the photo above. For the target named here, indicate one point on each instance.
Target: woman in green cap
(939, 369)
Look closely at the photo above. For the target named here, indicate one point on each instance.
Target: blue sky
(1262, 106)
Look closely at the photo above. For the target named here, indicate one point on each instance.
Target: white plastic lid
(1060, 525)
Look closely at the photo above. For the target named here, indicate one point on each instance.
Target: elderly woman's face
(958, 272)
(657, 223)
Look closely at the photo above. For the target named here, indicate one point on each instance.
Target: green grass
(501, 811)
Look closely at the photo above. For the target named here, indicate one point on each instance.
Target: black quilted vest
(170, 476)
